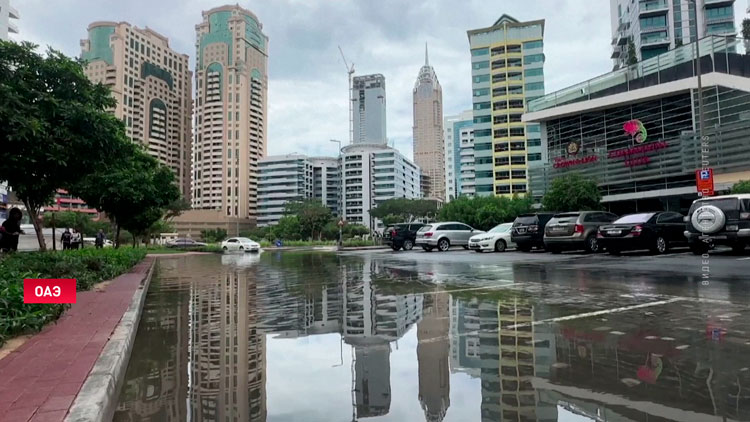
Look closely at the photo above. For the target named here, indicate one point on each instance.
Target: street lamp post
(701, 117)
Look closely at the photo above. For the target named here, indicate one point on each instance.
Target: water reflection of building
(433, 356)
(227, 350)
(371, 321)
(465, 336)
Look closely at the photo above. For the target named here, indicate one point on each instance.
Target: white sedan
(497, 239)
(240, 244)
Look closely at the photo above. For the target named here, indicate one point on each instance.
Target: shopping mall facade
(636, 130)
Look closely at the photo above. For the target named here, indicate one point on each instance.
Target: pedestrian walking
(10, 230)
(66, 238)
(100, 238)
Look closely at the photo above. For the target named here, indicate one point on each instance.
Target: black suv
(721, 220)
(402, 235)
(528, 230)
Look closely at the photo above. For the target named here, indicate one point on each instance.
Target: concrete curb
(97, 399)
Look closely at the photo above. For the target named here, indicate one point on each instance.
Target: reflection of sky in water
(302, 380)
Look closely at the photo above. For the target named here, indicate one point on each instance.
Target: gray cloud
(308, 82)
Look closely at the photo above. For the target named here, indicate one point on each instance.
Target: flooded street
(310, 336)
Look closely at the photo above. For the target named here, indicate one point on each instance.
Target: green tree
(399, 210)
(69, 219)
(55, 125)
(312, 216)
(743, 186)
(572, 192)
(175, 208)
(485, 212)
(213, 235)
(746, 30)
(288, 228)
(632, 55)
(134, 191)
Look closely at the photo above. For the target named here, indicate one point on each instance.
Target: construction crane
(350, 72)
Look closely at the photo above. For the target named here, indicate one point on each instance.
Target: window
(533, 129)
(654, 22)
(499, 91)
(519, 188)
(517, 146)
(502, 175)
(502, 189)
(502, 147)
(484, 146)
(534, 142)
(518, 174)
(516, 131)
(502, 161)
(481, 106)
(498, 50)
(533, 72)
(487, 174)
(480, 65)
(482, 119)
(534, 58)
(669, 218)
(480, 52)
(533, 44)
(482, 160)
(500, 133)
(481, 92)
(515, 104)
(537, 156)
(514, 48)
(481, 78)
(518, 159)
(500, 105)
(482, 132)
(500, 119)
(535, 86)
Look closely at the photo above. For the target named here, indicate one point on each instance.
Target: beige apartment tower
(231, 79)
(429, 153)
(152, 86)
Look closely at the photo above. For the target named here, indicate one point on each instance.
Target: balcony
(13, 13)
(650, 40)
(719, 3)
(647, 8)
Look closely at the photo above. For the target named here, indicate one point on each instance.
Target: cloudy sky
(308, 82)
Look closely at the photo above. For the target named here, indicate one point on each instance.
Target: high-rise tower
(152, 86)
(368, 98)
(231, 77)
(7, 12)
(429, 153)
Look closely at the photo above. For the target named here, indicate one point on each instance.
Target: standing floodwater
(325, 337)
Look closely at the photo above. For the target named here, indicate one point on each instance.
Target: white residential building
(295, 177)
(373, 173)
(7, 12)
(467, 177)
(452, 127)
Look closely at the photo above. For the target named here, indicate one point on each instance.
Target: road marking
(743, 259)
(596, 313)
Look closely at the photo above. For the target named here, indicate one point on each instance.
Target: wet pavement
(457, 336)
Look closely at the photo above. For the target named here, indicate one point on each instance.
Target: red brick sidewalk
(40, 379)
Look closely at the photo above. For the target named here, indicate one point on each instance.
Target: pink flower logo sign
(636, 130)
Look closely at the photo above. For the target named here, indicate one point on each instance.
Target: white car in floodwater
(240, 244)
(497, 239)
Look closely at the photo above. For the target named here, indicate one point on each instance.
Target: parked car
(444, 235)
(721, 220)
(182, 242)
(402, 235)
(528, 230)
(575, 231)
(655, 231)
(92, 241)
(240, 244)
(497, 239)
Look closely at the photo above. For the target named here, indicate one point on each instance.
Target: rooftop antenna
(350, 72)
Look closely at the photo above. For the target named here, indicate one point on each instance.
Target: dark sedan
(655, 231)
(182, 243)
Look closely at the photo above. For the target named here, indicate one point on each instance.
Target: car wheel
(242, 248)
(524, 248)
(444, 245)
(660, 245)
(592, 244)
(500, 246)
(225, 248)
(427, 248)
(408, 245)
(699, 248)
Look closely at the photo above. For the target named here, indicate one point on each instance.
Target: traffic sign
(704, 181)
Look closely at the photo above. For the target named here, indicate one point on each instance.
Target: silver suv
(575, 231)
(445, 235)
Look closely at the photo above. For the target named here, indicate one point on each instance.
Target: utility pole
(701, 116)
(350, 72)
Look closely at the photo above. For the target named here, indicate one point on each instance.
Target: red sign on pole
(704, 181)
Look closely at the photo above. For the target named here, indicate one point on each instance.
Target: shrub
(88, 266)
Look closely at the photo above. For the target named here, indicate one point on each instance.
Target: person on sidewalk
(100, 238)
(66, 239)
(75, 243)
(10, 230)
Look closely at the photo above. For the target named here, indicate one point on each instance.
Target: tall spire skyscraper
(429, 153)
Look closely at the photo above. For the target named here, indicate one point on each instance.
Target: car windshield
(425, 228)
(500, 228)
(724, 204)
(634, 218)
